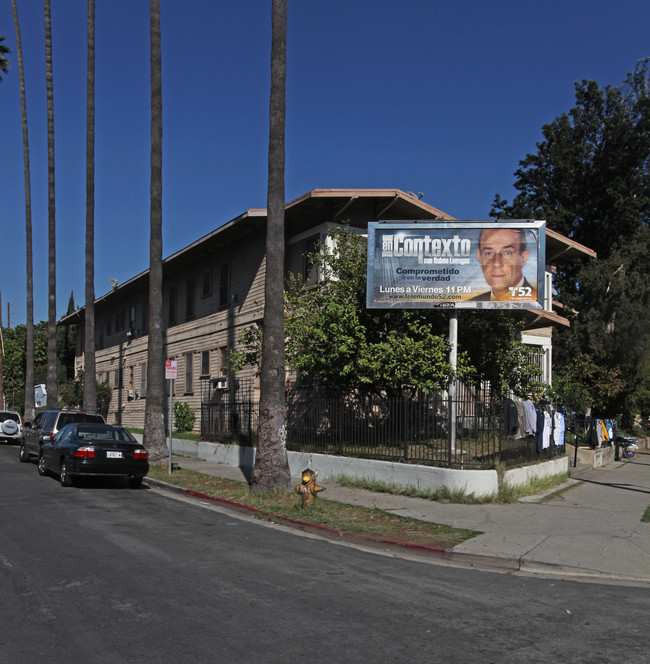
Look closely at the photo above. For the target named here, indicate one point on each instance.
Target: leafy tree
(71, 394)
(271, 470)
(66, 337)
(14, 362)
(335, 342)
(4, 63)
(590, 178)
(582, 387)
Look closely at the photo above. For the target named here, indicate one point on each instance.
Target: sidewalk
(593, 530)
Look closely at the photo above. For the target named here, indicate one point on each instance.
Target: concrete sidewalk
(593, 530)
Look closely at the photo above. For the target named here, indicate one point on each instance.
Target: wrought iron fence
(396, 430)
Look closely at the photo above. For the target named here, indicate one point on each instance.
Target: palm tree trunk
(29, 412)
(271, 470)
(90, 383)
(52, 389)
(154, 417)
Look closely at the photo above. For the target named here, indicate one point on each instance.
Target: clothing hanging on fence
(602, 432)
(531, 417)
(558, 429)
(521, 418)
(548, 430)
(540, 428)
(511, 417)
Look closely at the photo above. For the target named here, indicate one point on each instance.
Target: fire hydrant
(308, 487)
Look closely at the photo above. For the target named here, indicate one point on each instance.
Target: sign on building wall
(456, 265)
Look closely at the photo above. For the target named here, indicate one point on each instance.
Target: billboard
(456, 265)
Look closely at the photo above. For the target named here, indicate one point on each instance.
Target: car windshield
(9, 416)
(105, 432)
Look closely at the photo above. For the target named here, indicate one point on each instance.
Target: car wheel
(135, 482)
(41, 466)
(24, 454)
(64, 475)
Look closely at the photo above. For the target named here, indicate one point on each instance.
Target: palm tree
(271, 470)
(29, 412)
(90, 384)
(154, 416)
(4, 63)
(51, 381)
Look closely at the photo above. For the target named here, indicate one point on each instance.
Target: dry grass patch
(340, 516)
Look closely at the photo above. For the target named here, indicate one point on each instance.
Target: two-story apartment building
(214, 288)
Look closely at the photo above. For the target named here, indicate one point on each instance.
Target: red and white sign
(170, 370)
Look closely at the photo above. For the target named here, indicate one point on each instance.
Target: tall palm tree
(154, 415)
(90, 384)
(4, 63)
(52, 389)
(271, 470)
(29, 412)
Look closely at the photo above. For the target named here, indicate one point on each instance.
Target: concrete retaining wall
(517, 476)
(424, 478)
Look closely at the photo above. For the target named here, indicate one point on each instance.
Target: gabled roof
(354, 206)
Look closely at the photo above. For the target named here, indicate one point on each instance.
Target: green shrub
(184, 417)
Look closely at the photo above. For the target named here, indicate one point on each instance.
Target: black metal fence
(397, 430)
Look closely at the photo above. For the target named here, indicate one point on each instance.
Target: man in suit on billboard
(502, 254)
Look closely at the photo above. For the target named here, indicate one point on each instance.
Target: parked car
(11, 426)
(46, 425)
(90, 449)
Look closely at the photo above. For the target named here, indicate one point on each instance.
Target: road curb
(466, 559)
(308, 526)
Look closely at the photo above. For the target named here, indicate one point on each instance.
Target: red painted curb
(341, 534)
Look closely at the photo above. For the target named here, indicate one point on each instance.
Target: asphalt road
(101, 573)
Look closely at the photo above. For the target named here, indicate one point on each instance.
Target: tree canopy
(590, 180)
(14, 361)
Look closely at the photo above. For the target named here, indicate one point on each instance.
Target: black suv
(46, 424)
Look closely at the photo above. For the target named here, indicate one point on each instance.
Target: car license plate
(113, 455)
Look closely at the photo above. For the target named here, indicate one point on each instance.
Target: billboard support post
(453, 361)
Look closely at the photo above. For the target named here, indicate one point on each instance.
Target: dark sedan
(88, 449)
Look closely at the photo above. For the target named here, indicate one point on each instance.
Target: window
(309, 270)
(189, 300)
(223, 361)
(188, 373)
(205, 363)
(132, 320)
(206, 289)
(172, 305)
(100, 325)
(108, 327)
(224, 285)
(120, 321)
(143, 379)
(300, 259)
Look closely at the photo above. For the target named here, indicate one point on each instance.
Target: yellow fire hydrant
(308, 487)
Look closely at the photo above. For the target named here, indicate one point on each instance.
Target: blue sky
(427, 96)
